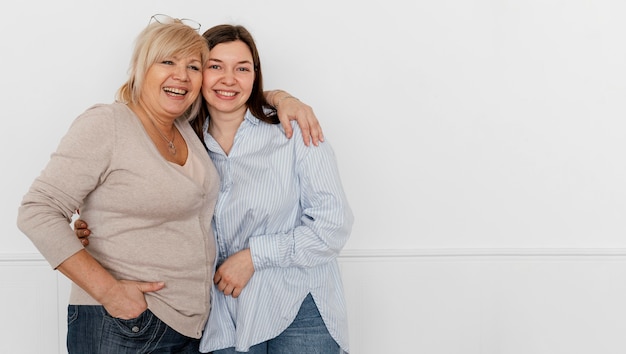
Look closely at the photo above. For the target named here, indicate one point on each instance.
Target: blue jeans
(307, 334)
(90, 329)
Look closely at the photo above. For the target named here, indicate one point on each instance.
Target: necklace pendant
(171, 147)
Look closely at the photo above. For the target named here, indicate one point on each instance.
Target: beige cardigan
(149, 221)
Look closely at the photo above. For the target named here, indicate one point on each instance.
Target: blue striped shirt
(285, 202)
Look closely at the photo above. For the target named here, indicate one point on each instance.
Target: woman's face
(228, 78)
(172, 85)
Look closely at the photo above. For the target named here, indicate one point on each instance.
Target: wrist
(285, 97)
(106, 291)
(271, 96)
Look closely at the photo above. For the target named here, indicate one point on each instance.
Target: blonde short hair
(155, 43)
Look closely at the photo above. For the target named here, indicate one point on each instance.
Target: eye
(167, 62)
(243, 69)
(194, 67)
(214, 67)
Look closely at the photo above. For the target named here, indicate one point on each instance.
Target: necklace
(170, 143)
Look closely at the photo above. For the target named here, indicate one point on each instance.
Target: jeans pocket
(135, 327)
(72, 314)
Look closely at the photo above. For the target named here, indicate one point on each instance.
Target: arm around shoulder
(291, 108)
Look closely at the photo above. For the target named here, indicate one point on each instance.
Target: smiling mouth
(226, 93)
(175, 91)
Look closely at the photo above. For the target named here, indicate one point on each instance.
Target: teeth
(175, 91)
(225, 93)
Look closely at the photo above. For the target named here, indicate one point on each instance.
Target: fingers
(82, 235)
(310, 126)
(232, 276)
(81, 231)
(225, 287)
(305, 128)
(310, 134)
(80, 224)
(84, 241)
(293, 109)
(317, 134)
(313, 130)
(221, 285)
(147, 287)
(287, 127)
(229, 289)
(314, 134)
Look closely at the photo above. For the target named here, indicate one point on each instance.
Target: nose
(228, 78)
(181, 73)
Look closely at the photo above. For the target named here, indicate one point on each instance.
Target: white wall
(480, 143)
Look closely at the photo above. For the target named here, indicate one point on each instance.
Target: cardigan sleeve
(75, 169)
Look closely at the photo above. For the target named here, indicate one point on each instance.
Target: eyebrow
(239, 62)
(178, 57)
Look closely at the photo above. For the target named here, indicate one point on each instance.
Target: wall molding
(349, 254)
(13, 258)
(421, 253)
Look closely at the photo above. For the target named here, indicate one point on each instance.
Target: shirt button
(135, 329)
